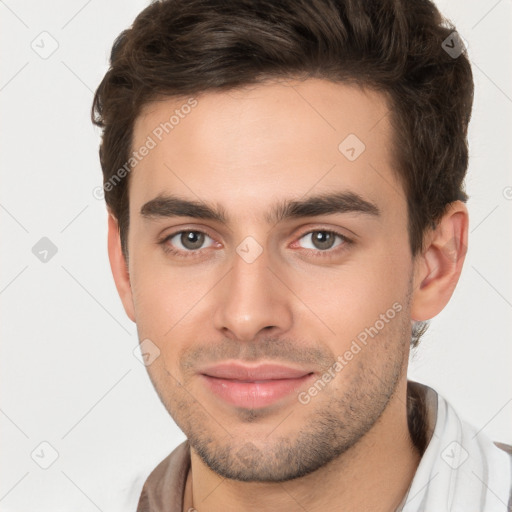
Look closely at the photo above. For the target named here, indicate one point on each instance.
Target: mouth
(253, 387)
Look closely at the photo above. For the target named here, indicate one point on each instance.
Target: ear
(438, 267)
(119, 267)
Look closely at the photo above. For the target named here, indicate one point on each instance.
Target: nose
(252, 301)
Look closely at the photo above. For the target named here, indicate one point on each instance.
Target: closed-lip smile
(253, 386)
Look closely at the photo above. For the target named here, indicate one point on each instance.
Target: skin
(297, 303)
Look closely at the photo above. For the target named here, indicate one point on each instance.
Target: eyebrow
(165, 206)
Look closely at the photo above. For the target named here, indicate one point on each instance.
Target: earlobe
(119, 267)
(438, 267)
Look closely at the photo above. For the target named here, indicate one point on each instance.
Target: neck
(374, 474)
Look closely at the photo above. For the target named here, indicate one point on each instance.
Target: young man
(285, 189)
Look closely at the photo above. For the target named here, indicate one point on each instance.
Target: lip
(267, 371)
(253, 386)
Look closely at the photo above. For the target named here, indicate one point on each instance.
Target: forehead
(248, 147)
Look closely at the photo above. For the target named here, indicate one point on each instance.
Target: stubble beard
(332, 424)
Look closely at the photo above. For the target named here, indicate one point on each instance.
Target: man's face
(250, 313)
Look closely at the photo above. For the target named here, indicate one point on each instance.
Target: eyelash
(316, 253)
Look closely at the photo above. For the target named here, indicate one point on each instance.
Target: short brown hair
(177, 48)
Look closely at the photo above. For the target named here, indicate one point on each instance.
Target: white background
(68, 373)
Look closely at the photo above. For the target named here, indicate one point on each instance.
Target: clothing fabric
(461, 469)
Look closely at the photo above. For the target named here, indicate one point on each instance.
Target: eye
(323, 240)
(185, 241)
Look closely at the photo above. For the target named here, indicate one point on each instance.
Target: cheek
(162, 293)
(353, 297)
(170, 306)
